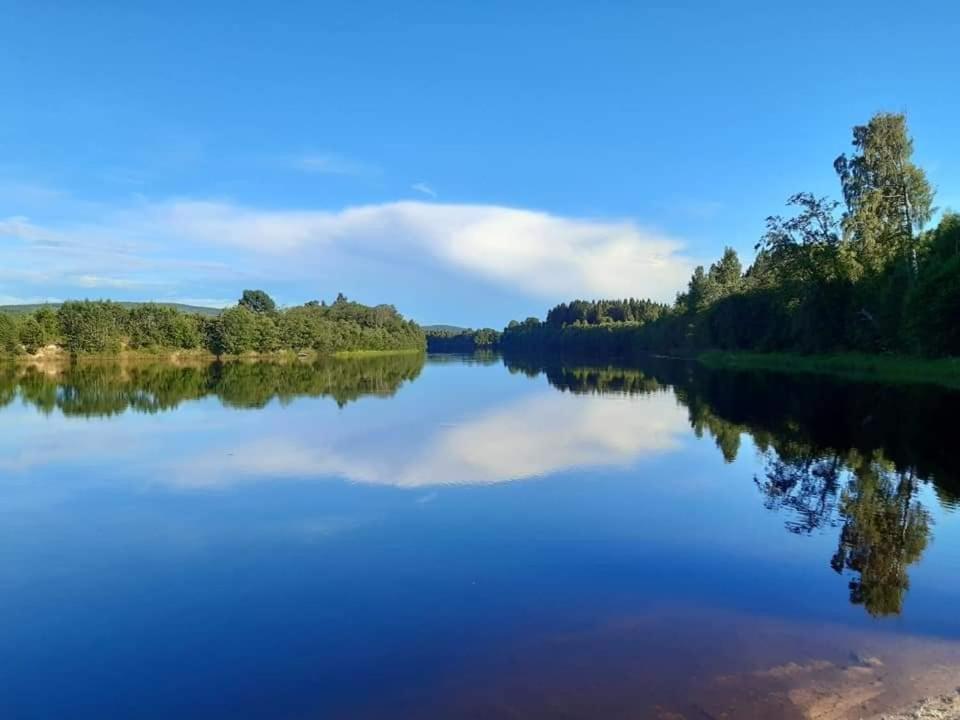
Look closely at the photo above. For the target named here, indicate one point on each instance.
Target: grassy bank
(378, 353)
(855, 366)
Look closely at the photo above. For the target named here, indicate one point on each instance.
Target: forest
(254, 325)
(864, 274)
(462, 341)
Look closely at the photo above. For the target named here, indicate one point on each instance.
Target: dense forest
(462, 341)
(856, 463)
(254, 325)
(861, 275)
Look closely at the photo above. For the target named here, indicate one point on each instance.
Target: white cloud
(535, 253)
(422, 187)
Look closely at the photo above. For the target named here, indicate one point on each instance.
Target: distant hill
(442, 328)
(192, 309)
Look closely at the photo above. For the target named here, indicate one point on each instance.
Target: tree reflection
(885, 530)
(834, 455)
(805, 487)
(107, 389)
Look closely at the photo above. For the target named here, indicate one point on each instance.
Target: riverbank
(852, 366)
(56, 354)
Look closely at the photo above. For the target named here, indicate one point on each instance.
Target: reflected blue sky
(291, 560)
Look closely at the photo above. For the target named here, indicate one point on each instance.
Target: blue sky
(469, 162)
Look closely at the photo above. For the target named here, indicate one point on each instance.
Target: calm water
(390, 538)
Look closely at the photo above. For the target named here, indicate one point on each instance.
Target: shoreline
(896, 369)
(52, 354)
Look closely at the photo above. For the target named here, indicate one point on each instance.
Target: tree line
(254, 325)
(462, 341)
(858, 275)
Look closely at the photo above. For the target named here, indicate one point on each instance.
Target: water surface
(467, 537)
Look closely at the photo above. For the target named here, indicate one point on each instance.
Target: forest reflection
(834, 455)
(96, 389)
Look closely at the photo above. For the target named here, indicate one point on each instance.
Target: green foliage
(91, 327)
(257, 301)
(462, 340)
(31, 334)
(888, 197)
(236, 332)
(599, 312)
(153, 326)
(934, 309)
(9, 337)
(868, 283)
(103, 327)
(49, 323)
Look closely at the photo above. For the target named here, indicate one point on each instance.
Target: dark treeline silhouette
(846, 455)
(254, 325)
(105, 389)
(864, 276)
(462, 341)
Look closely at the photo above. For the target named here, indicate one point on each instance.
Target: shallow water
(384, 538)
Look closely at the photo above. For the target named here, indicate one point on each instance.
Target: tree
(698, 291)
(236, 331)
(91, 327)
(31, 334)
(802, 248)
(46, 317)
(888, 197)
(9, 339)
(257, 301)
(727, 273)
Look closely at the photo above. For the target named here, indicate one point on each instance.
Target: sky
(469, 163)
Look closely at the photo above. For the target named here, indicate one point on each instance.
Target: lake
(472, 537)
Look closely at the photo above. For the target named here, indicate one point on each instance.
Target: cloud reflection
(537, 436)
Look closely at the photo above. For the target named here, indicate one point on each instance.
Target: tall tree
(727, 272)
(257, 301)
(888, 197)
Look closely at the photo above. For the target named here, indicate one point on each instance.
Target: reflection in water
(531, 437)
(885, 530)
(94, 389)
(640, 577)
(825, 446)
(834, 455)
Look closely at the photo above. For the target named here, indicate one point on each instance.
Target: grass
(854, 366)
(374, 353)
